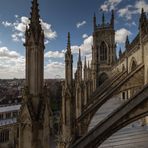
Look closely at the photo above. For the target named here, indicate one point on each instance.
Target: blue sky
(58, 18)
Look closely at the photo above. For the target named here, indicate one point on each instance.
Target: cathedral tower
(35, 110)
(103, 50)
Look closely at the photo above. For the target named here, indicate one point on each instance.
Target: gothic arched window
(103, 52)
(102, 79)
(133, 64)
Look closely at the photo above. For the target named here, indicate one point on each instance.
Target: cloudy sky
(59, 17)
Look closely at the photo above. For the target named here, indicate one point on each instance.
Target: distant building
(9, 127)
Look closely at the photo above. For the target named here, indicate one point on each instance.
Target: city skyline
(58, 19)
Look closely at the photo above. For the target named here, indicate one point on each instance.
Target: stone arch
(101, 79)
(113, 103)
(129, 112)
(103, 52)
(133, 64)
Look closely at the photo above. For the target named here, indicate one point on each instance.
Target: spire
(94, 21)
(127, 42)
(35, 26)
(120, 53)
(85, 63)
(68, 43)
(88, 64)
(35, 17)
(112, 19)
(143, 15)
(79, 59)
(68, 63)
(103, 19)
(79, 55)
(143, 20)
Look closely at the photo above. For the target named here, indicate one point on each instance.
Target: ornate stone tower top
(79, 67)
(68, 64)
(35, 13)
(35, 25)
(112, 19)
(127, 43)
(34, 55)
(104, 24)
(79, 58)
(68, 43)
(143, 23)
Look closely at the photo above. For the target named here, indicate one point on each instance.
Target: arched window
(133, 64)
(102, 78)
(103, 52)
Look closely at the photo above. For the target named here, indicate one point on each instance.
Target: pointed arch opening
(103, 52)
(133, 64)
(102, 78)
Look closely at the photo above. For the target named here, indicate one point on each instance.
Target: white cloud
(54, 69)
(6, 23)
(12, 64)
(141, 4)
(5, 52)
(80, 24)
(19, 27)
(84, 36)
(85, 47)
(49, 33)
(125, 12)
(121, 34)
(130, 10)
(54, 54)
(16, 36)
(108, 5)
(16, 16)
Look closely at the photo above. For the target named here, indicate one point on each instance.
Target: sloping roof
(9, 108)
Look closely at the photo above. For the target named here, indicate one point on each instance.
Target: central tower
(103, 50)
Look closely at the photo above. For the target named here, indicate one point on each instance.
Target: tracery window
(103, 52)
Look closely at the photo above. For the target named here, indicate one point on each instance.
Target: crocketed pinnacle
(127, 41)
(103, 19)
(85, 63)
(112, 19)
(68, 43)
(35, 17)
(79, 59)
(79, 55)
(35, 12)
